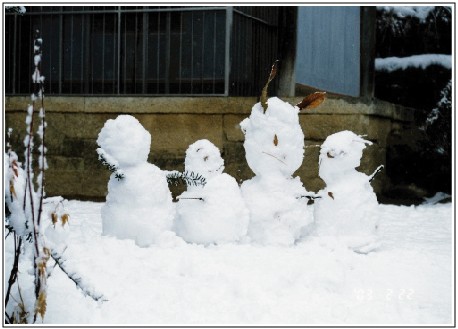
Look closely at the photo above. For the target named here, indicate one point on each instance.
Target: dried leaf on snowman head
(312, 101)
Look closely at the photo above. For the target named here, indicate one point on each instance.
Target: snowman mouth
(216, 170)
(273, 156)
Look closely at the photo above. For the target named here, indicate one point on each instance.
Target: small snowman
(347, 207)
(274, 147)
(139, 203)
(213, 213)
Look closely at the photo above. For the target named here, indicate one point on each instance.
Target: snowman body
(139, 205)
(274, 148)
(347, 207)
(214, 213)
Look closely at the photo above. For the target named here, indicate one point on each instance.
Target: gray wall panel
(328, 48)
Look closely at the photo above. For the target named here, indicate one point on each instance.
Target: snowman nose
(332, 154)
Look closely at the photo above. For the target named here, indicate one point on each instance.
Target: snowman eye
(330, 155)
(205, 158)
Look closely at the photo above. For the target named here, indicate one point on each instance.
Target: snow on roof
(391, 64)
(18, 9)
(421, 12)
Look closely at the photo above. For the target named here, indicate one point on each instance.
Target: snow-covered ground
(409, 280)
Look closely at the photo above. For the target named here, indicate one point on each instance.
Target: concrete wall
(175, 123)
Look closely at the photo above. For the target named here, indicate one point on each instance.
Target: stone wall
(176, 122)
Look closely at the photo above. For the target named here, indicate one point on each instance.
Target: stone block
(56, 162)
(232, 128)
(84, 125)
(309, 167)
(233, 152)
(177, 131)
(55, 132)
(166, 160)
(312, 184)
(318, 127)
(67, 183)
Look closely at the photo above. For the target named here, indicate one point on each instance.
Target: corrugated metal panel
(328, 49)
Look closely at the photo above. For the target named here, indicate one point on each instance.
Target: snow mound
(274, 141)
(15, 186)
(274, 147)
(347, 208)
(407, 282)
(204, 158)
(139, 205)
(125, 140)
(214, 213)
(341, 152)
(278, 213)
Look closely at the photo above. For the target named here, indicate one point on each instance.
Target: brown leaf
(331, 195)
(54, 218)
(41, 269)
(15, 168)
(64, 219)
(264, 96)
(12, 190)
(275, 140)
(41, 304)
(47, 253)
(312, 101)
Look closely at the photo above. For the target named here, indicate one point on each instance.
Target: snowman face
(340, 153)
(125, 139)
(274, 142)
(204, 158)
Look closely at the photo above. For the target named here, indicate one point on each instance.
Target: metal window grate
(141, 50)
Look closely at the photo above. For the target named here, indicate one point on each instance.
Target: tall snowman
(274, 147)
(139, 203)
(215, 212)
(347, 207)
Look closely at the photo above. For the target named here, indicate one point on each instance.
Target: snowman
(213, 213)
(274, 147)
(347, 206)
(139, 204)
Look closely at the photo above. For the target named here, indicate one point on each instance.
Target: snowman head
(204, 158)
(125, 140)
(274, 141)
(341, 152)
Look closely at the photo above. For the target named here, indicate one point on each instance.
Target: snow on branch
(110, 162)
(421, 12)
(391, 64)
(72, 275)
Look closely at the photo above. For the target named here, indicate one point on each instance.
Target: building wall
(328, 48)
(176, 122)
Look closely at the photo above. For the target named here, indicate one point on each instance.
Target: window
(143, 50)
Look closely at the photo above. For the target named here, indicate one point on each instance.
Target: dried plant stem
(14, 271)
(40, 256)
